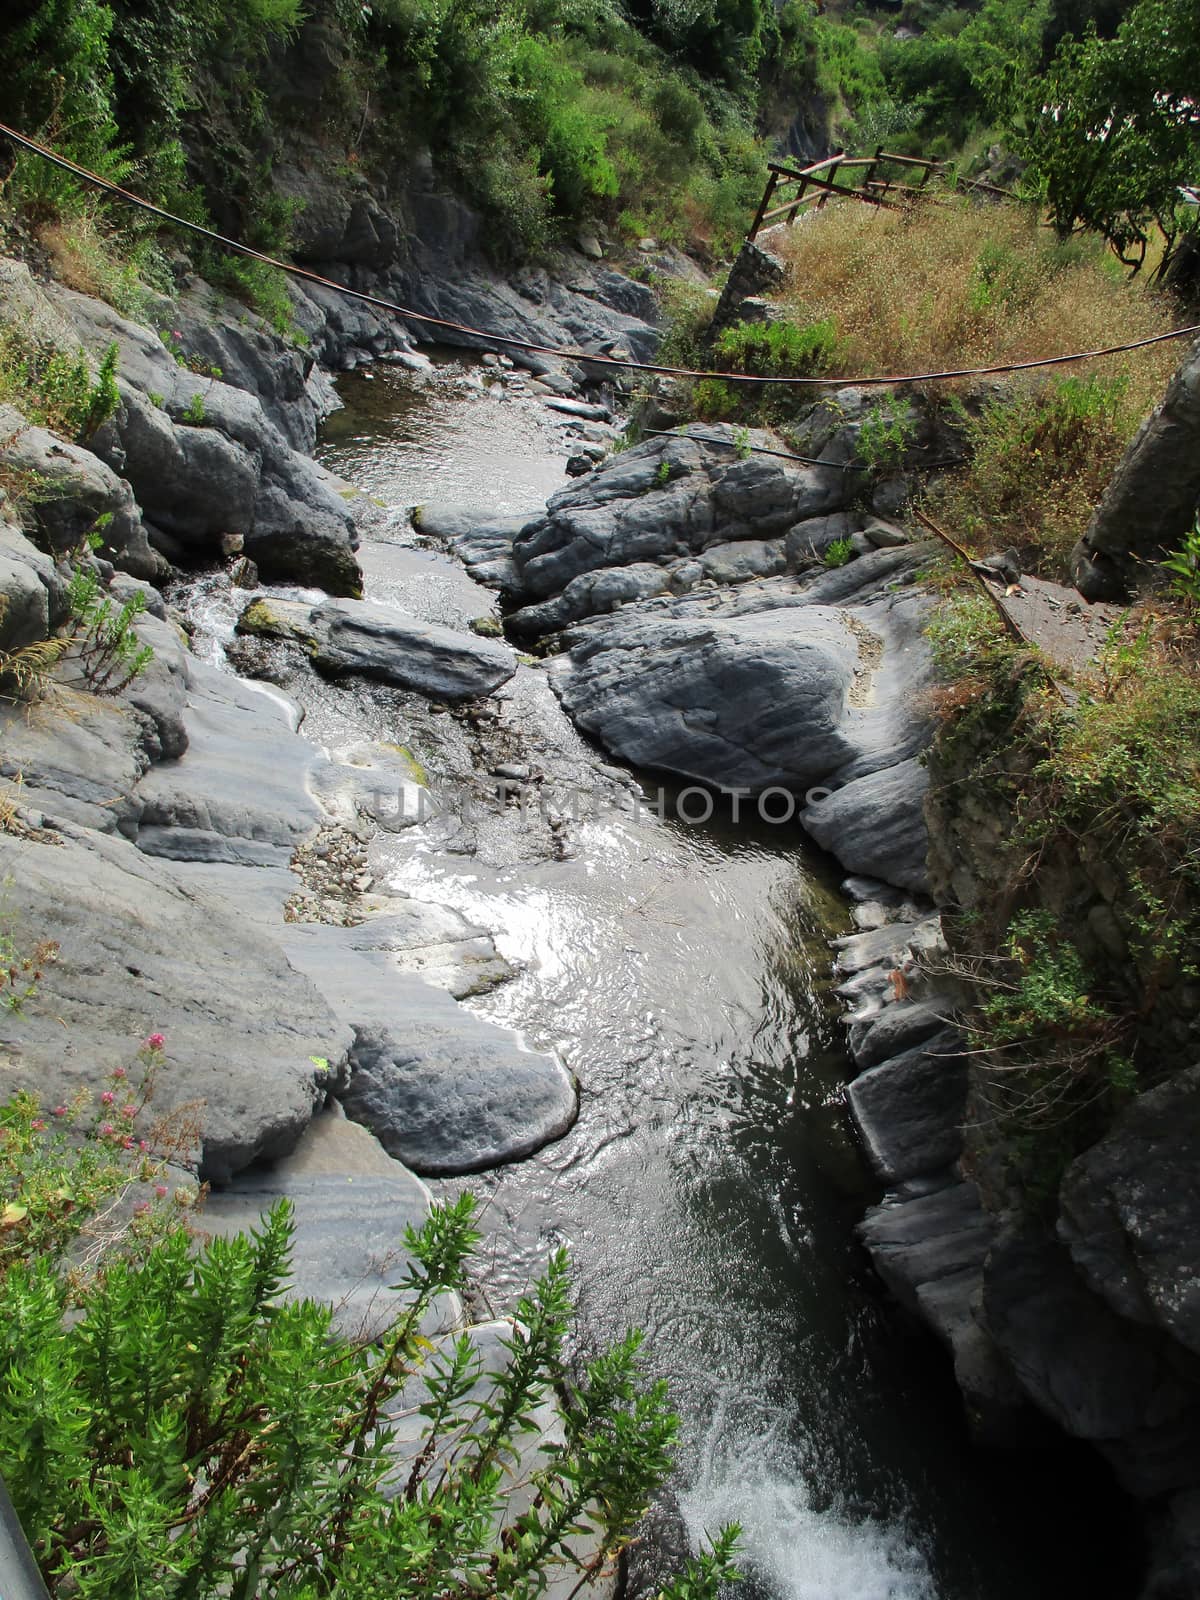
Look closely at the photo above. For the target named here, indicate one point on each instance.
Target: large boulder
(442, 1090)
(240, 790)
(378, 641)
(32, 591)
(1130, 1211)
(1152, 499)
(751, 703)
(203, 456)
(76, 495)
(1100, 1376)
(878, 822)
(663, 501)
(351, 1205)
(909, 1110)
(141, 949)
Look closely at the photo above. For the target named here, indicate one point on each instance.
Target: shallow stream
(709, 1189)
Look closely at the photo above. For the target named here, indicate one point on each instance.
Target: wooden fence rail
(814, 184)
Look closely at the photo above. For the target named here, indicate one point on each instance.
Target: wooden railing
(815, 184)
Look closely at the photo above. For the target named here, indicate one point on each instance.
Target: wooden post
(869, 174)
(833, 172)
(772, 180)
(795, 211)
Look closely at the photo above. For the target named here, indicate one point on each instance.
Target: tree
(1001, 48)
(172, 1427)
(1115, 129)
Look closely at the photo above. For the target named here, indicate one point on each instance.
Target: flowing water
(709, 1189)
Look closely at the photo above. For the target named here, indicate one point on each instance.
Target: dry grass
(954, 283)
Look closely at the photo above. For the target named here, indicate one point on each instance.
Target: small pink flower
(155, 1041)
(160, 1190)
(142, 1145)
(39, 1126)
(129, 1112)
(118, 1073)
(106, 1129)
(59, 1111)
(126, 1143)
(107, 1098)
(141, 1208)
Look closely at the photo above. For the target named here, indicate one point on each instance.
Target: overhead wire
(565, 352)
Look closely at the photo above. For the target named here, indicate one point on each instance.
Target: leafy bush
(1041, 457)
(1114, 131)
(885, 435)
(171, 1426)
(55, 388)
(779, 349)
(57, 82)
(839, 553)
(1184, 567)
(110, 654)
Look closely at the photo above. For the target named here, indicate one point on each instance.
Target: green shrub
(1184, 567)
(839, 553)
(780, 349)
(55, 388)
(58, 83)
(170, 1427)
(714, 401)
(1041, 457)
(110, 653)
(885, 436)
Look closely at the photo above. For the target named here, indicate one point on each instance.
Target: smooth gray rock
(159, 691)
(440, 1088)
(240, 791)
(738, 563)
(32, 591)
(205, 460)
(909, 1110)
(888, 946)
(352, 1203)
(898, 1028)
(381, 642)
(1099, 1376)
(78, 761)
(663, 499)
(479, 539)
(141, 950)
(1130, 1211)
(917, 1239)
(1152, 499)
(77, 493)
(877, 823)
(238, 347)
(748, 705)
(807, 542)
(592, 594)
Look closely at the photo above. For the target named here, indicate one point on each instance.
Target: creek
(709, 1189)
